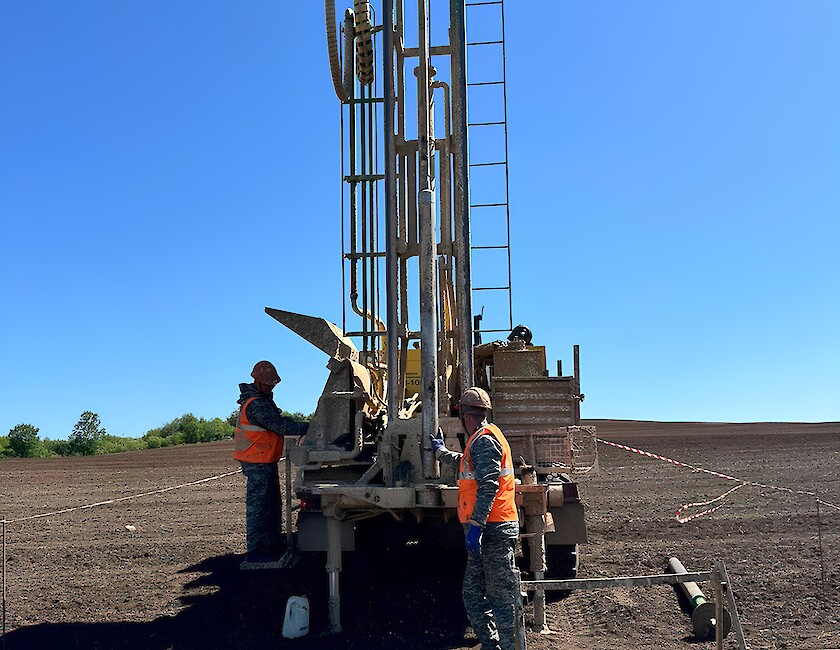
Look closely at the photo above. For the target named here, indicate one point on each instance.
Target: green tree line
(89, 437)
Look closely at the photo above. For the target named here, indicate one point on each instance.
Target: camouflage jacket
(264, 413)
(486, 455)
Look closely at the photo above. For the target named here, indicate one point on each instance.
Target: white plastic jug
(296, 622)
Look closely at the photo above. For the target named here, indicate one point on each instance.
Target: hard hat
(265, 373)
(477, 398)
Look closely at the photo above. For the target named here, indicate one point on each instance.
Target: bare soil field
(161, 572)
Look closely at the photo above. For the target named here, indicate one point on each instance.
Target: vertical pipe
(364, 225)
(428, 327)
(445, 185)
(412, 202)
(535, 525)
(288, 502)
(406, 199)
(576, 398)
(341, 181)
(461, 187)
(451, 340)
(372, 234)
(391, 269)
(428, 243)
(333, 571)
(349, 57)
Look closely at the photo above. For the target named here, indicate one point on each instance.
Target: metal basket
(571, 450)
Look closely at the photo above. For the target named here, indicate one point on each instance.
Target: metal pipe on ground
(703, 615)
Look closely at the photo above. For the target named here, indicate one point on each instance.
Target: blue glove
(473, 540)
(437, 441)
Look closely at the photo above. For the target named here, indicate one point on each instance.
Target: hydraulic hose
(364, 42)
(332, 48)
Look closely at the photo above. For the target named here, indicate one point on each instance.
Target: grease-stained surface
(161, 571)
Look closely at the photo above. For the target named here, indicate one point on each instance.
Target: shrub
(174, 439)
(215, 429)
(57, 447)
(115, 444)
(153, 442)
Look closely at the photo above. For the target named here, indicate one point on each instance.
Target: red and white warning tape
(686, 506)
(109, 501)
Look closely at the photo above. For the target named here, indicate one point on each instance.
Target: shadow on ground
(411, 605)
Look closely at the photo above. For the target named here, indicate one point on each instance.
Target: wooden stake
(819, 537)
(718, 607)
(4, 583)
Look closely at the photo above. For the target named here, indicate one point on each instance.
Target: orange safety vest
(252, 443)
(504, 506)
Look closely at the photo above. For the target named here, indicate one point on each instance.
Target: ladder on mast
(493, 130)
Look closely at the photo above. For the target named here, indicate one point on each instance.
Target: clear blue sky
(167, 169)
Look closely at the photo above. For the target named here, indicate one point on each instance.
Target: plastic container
(296, 621)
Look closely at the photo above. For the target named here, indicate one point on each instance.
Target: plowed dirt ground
(161, 571)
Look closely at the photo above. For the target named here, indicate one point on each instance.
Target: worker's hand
(473, 540)
(437, 442)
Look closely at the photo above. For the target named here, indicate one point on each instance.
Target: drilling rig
(409, 343)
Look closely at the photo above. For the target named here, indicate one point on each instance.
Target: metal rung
(487, 83)
(364, 177)
(368, 333)
(487, 248)
(485, 43)
(356, 256)
(491, 288)
(504, 162)
(488, 205)
(478, 4)
(434, 50)
(368, 100)
(486, 124)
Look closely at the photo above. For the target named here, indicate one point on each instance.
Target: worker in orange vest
(487, 510)
(258, 445)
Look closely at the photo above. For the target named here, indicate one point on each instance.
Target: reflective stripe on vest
(252, 443)
(504, 505)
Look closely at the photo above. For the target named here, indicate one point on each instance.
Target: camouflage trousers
(263, 509)
(491, 593)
